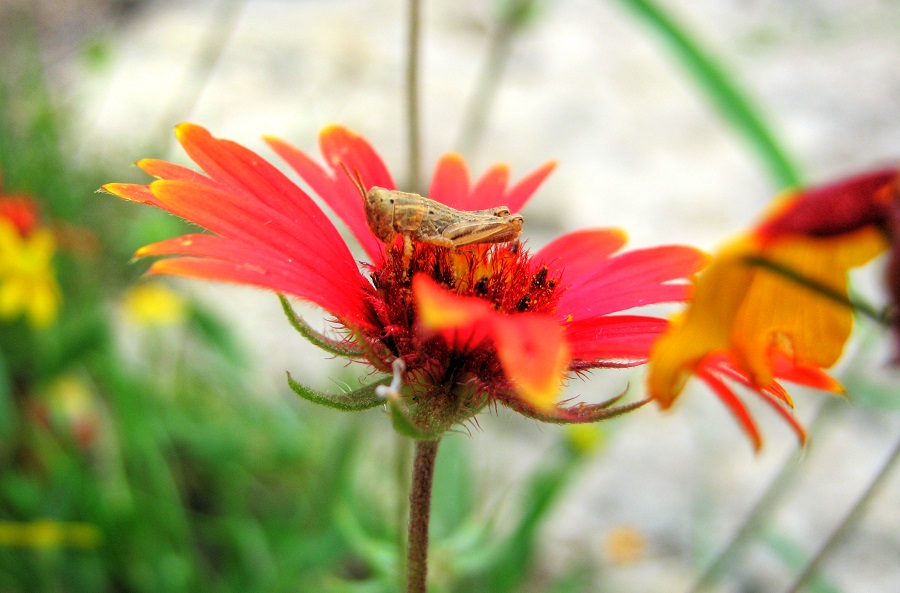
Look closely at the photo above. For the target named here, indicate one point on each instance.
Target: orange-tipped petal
(519, 194)
(489, 191)
(450, 182)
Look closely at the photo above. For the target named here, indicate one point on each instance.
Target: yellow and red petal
(805, 325)
(256, 184)
(134, 193)
(535, 355)
(705, 327)
(462, 321)
(166, 170)
(304, 279)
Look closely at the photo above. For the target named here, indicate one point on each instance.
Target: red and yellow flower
(474, 326)
(28, 285)
(773, 303)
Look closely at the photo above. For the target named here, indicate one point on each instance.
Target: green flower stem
(762, 509)
(419, 515)
(722, 91)
(852, 518)
(511, 21)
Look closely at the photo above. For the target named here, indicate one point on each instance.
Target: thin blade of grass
(722, 91)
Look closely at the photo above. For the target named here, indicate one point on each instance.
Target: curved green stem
(420, 515)
(731, 101)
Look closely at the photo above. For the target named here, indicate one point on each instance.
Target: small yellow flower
(154, 303)
(27, 279)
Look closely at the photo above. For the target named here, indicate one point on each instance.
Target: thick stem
(419, 515)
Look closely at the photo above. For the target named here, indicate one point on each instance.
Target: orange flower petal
(534, 354)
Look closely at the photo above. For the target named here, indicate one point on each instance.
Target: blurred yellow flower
(154, 303)
(624, 545)
(584, 439)
(27, 280)
(47, 534)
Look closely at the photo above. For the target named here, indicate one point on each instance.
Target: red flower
(474, 326)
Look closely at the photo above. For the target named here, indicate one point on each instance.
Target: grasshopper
(391, 213)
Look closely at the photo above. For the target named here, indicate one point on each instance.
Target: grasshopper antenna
(356, 178)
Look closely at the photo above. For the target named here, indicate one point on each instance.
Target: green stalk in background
(732, 102)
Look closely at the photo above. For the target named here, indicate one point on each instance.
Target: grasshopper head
(379, 211)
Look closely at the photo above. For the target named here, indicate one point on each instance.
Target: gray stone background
(638, 147)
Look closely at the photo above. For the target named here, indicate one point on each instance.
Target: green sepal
(363, 398)
(578, 414)
(404, 424)
(336, 347)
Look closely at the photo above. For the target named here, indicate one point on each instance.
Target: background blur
(201, 472)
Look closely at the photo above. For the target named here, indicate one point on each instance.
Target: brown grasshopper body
(391, 213)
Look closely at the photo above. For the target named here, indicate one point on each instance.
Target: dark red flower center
(502, 274)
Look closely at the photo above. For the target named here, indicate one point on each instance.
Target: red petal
(230, 272)
(734, 405)
(348, 207)
(841, 207)
(335, 293)
(809, 375)
(632, 279)
(450, 182)
(614, 338)
(574, 254)
(520, 193)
